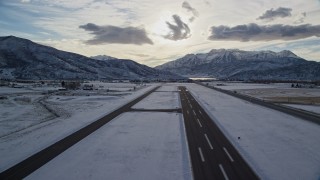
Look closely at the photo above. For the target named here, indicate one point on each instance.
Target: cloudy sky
(153, 32)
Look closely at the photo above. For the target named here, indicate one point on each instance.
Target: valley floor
(149, 145)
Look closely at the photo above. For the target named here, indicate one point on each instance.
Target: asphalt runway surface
(212, 155)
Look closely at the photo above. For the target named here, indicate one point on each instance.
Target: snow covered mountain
(103, 57)
(24, 59)
(245, 65)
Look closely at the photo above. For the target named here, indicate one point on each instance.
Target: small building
(88, 87)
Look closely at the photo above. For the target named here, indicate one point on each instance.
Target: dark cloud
(116, 35)
(254, 32)
(187, 6)
(179, 31)
(271, 14)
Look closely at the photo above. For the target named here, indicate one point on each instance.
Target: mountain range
(234, 64)
(24, 59)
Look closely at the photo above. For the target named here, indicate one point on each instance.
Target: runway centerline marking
(187, 111)
(226, 151)
(199, 122)
(201, 155)
(194, 112)
(205, 135)
(223, 172)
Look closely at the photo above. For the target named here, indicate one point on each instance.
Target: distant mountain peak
(8, 37)
(287, 53)
(13, 38)
(103, 57)
(281, 53)
(240, 64)
(223, 50)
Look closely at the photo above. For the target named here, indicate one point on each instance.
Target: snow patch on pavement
(131, 146)
(159, 100)
(167, 87)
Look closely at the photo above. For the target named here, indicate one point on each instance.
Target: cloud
(179, 31)
(271, 14)
(254, 32)
(301, 18)
(187, 6)
(116, 35)
(25, 1)
(139, 55)
(207, 2)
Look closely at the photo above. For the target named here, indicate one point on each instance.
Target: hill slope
(245, 65)
(24, 59)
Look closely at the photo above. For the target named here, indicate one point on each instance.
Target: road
(32, 163)
(212, 155)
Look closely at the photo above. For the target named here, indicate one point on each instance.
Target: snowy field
(21, 112)
(159, 100)
(239, 85)
(276, 145)
(31, 119)
(9, 90)
(281, 92)
(268, 90)
(166, 97)
(167, 87)
(278, 93)
(132, 146)
(311, 108)
(117, 87)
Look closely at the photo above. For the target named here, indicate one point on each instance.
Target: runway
(212, 155)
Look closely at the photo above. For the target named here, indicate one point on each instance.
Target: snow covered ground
(21, 112)
(167, 87)
(311, 108)
(307, 98)
(131, 146)
(239, 85)
(159, 100)
(29, 122)
(166, 97)
(281, 92)
(267, 90)
(134, 145)
(10, 90)
(276, 145)
(114, 86)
